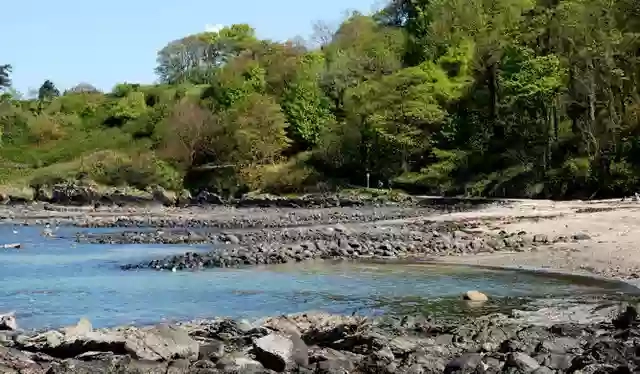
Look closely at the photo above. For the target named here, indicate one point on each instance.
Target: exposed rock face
(321, 343)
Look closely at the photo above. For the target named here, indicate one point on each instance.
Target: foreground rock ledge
(321, 343)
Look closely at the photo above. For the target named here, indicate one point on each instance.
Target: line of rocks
(321, 343)
(82, 193)
(255, 218)
(295, 245)
(411, 232)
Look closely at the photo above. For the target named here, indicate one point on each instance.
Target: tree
(361, 50)
(393, 118)
(253, 131)
(186, 133)
(5, 76)
(83, 88)
(192, 58)
(47, 91)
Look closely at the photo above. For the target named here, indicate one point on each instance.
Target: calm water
(53, 282)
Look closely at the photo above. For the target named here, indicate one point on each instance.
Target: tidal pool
(52, 282)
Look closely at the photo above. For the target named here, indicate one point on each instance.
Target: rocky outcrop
(322, 343)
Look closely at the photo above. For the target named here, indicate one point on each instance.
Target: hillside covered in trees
(518, 98)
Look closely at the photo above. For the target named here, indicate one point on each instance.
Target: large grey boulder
(159, 343)
(162, 342)
(280, 352)
(8, 322)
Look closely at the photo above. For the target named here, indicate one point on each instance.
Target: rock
(580, 236)
(153, 344)
(184, 198)
(239, 363)
(14, 361)
(43, 194)
(541, 238)
(162, 342)
(8, 322)
(329, 360)
(82, 328)
(559, 345)
(180, 366)
(465, 363)
(522, 362)
(626, 318)
(212, 351)
(163, 196)
(206, 197)
(73, 194)
(231, 239)
(474, 296)
(279, 352)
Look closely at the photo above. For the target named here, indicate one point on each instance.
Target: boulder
(212, 351)
(8, 322)
(162, 342)
(82, 328)
(239, 363)
(159, 343)
(76, 194)
(206, 197)
(164, 197)
(475, 296)
(581, 236)
(522, 361)
(279, 352)
(184, 198)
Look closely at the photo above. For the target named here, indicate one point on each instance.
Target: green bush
(140, 171)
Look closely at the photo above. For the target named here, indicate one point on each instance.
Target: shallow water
(53, 282)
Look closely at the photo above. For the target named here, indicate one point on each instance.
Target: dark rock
(581, 236)
(205, 197)
(466, 363)
(626, 319)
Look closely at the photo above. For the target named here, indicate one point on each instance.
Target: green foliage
(128, 108)
(488, 98)
(48, 91)
(5, 79)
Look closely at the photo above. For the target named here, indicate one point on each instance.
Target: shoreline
(580, 337)
(549, 339)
